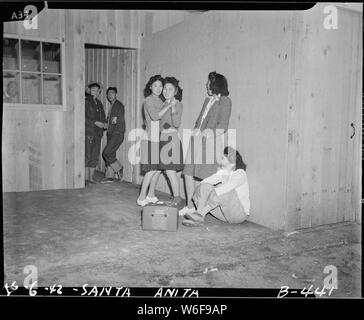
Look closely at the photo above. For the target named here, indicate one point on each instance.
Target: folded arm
(237, 179)
(213, 179)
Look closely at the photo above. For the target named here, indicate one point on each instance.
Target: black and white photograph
(182, 149)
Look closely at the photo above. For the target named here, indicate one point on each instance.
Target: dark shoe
(91, 181)
(120, 174)
(195, 216)
(107, 180)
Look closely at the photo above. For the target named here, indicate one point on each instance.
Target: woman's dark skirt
(149, 156)
(171, 152)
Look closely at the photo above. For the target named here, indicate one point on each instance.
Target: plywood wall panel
(355, 118)
(163, 19)
(126, 87)
(68, 116)
(49, 26)
(15, 168)
(79, 100)
(324, 85)
(358, 116)
(111, 28)
(123, 22)
(32, 158)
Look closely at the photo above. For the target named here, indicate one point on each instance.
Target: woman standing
(212, 122)
(171, 153)
(152, 106)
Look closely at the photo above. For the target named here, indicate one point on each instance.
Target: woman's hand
(167, 103)
(171, 103)
(166, 106)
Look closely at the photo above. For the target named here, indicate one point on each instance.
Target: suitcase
(161, 216)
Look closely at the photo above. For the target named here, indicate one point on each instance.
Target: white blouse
(231, 180)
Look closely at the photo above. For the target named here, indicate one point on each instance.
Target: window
(32, 72)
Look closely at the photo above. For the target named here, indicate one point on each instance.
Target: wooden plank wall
(114, 67)
(322, 182)
(163, 19)
(253, 51)
(47, 151)
(118, 28)
(30, 150)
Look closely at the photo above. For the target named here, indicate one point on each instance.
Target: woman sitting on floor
(224, 194)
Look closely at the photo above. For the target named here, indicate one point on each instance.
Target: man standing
(115, 136)
(95, 123)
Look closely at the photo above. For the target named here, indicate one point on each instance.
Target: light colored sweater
(231, 180)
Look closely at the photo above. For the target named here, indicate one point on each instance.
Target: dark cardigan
(218, 115)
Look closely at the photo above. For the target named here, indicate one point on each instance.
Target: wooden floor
(93, 236)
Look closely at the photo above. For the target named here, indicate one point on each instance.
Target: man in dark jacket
(95, 123)
(115, 136)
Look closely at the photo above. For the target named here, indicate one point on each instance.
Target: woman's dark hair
(174, 82)
(235, 157)
(147, 90)
(218, 84)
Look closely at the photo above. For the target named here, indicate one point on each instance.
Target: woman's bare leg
(145, 184)
(153, 183)
(190, 188)
(172, 176)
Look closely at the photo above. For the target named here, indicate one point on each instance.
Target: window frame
(32, 106)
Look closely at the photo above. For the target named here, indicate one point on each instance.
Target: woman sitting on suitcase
(224, 194)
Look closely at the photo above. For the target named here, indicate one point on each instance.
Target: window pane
(11, 54)
(52, 89)
(51, 57)
(30, 55)
(11, 91)
(31, 88)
